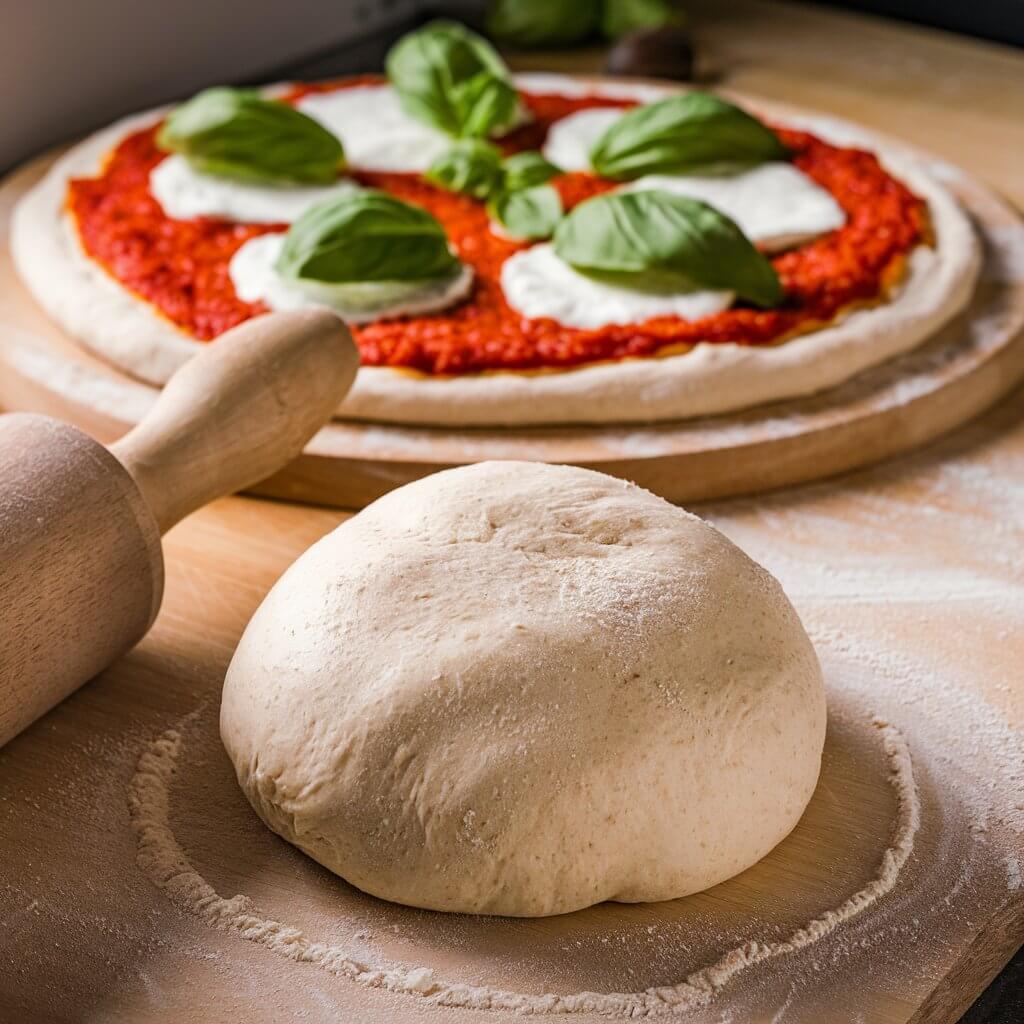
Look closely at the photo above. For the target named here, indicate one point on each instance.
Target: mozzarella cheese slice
(538, 283)
(255, 279)
(184, 193)
(775, 204)
(570, 139)
(378, 135)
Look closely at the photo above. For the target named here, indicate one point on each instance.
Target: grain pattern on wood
(82, 572)
(80, 525)
(239, 410)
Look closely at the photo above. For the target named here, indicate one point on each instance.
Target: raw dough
(521, 689)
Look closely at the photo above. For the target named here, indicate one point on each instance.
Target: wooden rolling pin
(81, 566)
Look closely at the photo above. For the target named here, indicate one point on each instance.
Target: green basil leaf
(621, 17)
(683, 133)
(524, 170)
(635, 235)
(237, 133)
(472, 167)
(452, 79)
(529, 214)
(365, 235)
(543, 22)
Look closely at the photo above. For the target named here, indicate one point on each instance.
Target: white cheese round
(570, 139)
(378, 135)
(184, 193)
(255, 279)
(775, 204)
(537, 283)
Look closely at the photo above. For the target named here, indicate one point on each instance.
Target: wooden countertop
(936, 541)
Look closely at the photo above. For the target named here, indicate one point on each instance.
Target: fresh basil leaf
(692, 131)
(236, 133)
(365, 235)
(472, 167)
(638, 234)
(452, 79)
(524, 170)
(620, 17)
(543, 22)
(529, 214)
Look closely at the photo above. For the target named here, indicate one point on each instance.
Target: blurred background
(72, 65)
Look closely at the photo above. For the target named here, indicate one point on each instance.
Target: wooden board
(883, 412)
(909, 621)
(910, 576)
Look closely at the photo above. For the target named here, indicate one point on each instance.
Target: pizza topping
(181, 267)
(775, 205)
(689, 132)
(184, 193)
(366, 235)
(453, 80)
(256, 280)
(526, 169)
(236, 133)
(377, 133)
(538, 284)
(471, 166)
(570, 139)
(522, 206)
(527, 214)
(658, 240)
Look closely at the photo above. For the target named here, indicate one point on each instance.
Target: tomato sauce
(181, 267)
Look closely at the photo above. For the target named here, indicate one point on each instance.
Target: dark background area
(999, 20)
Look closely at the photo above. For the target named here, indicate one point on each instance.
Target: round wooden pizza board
(886, 411)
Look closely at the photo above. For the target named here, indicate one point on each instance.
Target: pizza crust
(129, 333)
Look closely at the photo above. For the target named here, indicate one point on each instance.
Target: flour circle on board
(522, 689)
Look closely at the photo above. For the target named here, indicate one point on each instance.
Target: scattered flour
(161, 857)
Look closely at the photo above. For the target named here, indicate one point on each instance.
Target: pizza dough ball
(522, 689)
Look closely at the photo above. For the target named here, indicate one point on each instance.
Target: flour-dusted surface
(163, 859)
(909, 580)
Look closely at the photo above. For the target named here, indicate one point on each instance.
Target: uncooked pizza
(507, 249)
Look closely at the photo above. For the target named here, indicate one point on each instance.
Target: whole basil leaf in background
(472, 167)
(620, 17)
(528, 214)
(691, 131)
(365, 236)
(526, 169)
(643, 236)
(543, 22)
(452, 79)
(236, 133)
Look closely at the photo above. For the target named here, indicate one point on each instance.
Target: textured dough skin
(522, 689)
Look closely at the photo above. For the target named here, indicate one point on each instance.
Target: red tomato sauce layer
(181, 267)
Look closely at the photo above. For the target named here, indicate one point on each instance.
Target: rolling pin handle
(239, 410)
